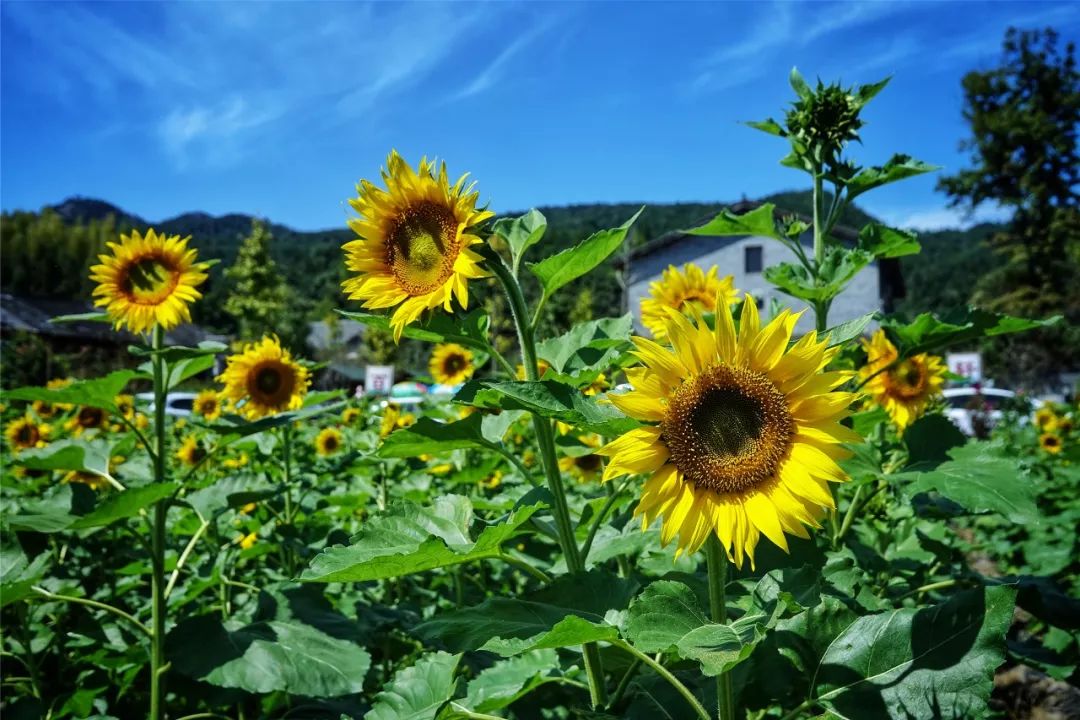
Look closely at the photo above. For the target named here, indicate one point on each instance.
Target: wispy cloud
(494, 71)
(940, 217)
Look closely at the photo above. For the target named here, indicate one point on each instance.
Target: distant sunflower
(350, 415)
(208, 404)
(1046, 419)
(451, 364)
(492, 481)
(542, 366)
(25, 434)
(1050, 443)
(126, 405)
(87, 418)
(328, 441)
(91, 480)
(583, 467)
(148, 281)
(597, 386)
(46, 410)
(264, 380)
(246, 542)
(234, 463)
(191, 452)
(744, 433)
(413, 246)
(907, 388)
(394, 419)
(683, 290)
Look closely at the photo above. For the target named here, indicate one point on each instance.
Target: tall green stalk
(821, 307)
(546, 442)
(717, 564)
(157, 537)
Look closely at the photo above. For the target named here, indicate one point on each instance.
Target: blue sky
(279, 108)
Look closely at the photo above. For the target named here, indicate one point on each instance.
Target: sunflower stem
(546, 442)
(157, 538)
(286, 441)
(717, 564)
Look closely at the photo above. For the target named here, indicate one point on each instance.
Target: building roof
(34, 315)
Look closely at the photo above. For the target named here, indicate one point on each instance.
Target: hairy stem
(717, 564)
(157, 538)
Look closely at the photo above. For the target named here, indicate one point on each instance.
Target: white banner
(378, 379)
(967, 365)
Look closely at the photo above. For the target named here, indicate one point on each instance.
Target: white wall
(861, 296)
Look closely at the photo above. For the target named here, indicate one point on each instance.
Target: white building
(874, 288)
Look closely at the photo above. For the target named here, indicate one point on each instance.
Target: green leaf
(927, 333)
(174, 353)
(521, 233)
(67, 510)
(919, 663)
(268, 656)
(511, 626)
(71, 454)
(100, 392)
(571, 631)
(17, 574)
(431, 436)
(590, 345)
(979, 481)
(120, 505)
(838, 267)
(847, 331)
(410, 539)
(417, 692)
(798, 84)
(548, 398)
(94, 316)
(181, 370)
(759, 221)
(660, 617)
(508, 680)
(559, 269)
(469, 329)
(897, 168)
(882, 241)
(721, 647)
(930, 438)
(768, 126)
(866, 93)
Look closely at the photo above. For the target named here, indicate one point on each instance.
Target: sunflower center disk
(423, 246)
(728, 429)
(27, 436)
(149, 280)
(908, 379)
(589, 463)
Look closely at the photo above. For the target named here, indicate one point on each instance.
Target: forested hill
(47, 254)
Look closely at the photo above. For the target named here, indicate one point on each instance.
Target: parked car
(963, 405)
(178, 404)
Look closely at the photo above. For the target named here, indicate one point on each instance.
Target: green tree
(260, 300)
(1025, 156)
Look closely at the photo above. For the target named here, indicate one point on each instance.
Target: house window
(753, 258)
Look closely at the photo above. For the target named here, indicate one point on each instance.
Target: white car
(177, 404)
(962, 402)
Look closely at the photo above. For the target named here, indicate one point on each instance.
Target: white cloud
(940, 217)
(495, 70)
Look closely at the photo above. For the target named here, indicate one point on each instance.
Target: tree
(1025, 154)
(259, 299)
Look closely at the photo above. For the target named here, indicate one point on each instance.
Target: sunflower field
(720, 519)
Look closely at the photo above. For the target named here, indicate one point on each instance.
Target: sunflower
(234, 463)
(905, 389)
(25, 433)
(148, 281)
(413, 246)
(583, 467)
(246, 542)
(328, 441)
(682, 290)
(394, 419)
(597, 386)
(264, 380)
(191, 452)
(542, 366)
(46, 410)
(1046, 419)
(492, 481)
(208, 404)
(1050, 443)
(350, 415)
(451, 364)
(91, 480)
(743, 436)
(87, 418)
(126, 405)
